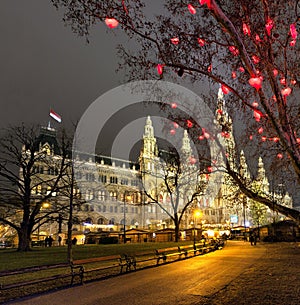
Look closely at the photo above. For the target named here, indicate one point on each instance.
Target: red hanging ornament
(233, 74)
(282, 81)
(246, 29)
(269, 25)
(257, 38)
(234, 50)
(293, 82)
(286, 91)
(279, 156)
(175, 125)
(260, 130)
(255, 104)
(275, 72)
(255, 82)
(175, 40)
(172, 131)
(275, 139)
(205, 133)
(209, 69)
(264, 139)
(255, 59)
(225, 89)
(241, 69)
(293, 31)
(251, 137)
(257, 115)
(293, 43)
(111, 22)
(207, 2)
(192, 9)
(201, 42)
(174, 105)
(189, 124)
(160, 69)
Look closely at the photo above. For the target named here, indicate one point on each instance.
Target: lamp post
(126, 195)
(244, 213)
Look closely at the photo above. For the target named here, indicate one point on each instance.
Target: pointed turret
(149, 151)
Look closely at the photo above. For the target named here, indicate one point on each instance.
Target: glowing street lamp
(196, 214)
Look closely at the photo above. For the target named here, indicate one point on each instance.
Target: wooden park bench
(163, 254)
(128, 261)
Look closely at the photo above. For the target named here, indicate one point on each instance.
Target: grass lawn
(11, 259)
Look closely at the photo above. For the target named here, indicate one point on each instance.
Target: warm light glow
(197, 213)
(46, 205)
(111, 22)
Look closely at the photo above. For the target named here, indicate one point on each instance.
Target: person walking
(251, 238)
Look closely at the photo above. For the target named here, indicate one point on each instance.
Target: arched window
(101, 221)
(111, 221)
(89, 220)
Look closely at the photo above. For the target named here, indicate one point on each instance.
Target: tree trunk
(176, 223)
(24, 239)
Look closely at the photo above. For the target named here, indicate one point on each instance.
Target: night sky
(44, 64)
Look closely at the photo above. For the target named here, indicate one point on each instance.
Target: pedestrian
(59, 240)
(46, 241)
(254, 238)
(74, 241)
(50, 241)
(251, 238)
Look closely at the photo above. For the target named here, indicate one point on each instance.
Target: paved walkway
(274, 279)
(239, 274)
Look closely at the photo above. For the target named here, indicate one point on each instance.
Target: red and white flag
(55, 116)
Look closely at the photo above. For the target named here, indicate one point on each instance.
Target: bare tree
(30, 180)
(181, 181)
(248, 47)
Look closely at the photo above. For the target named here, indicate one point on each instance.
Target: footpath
(274, 279)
